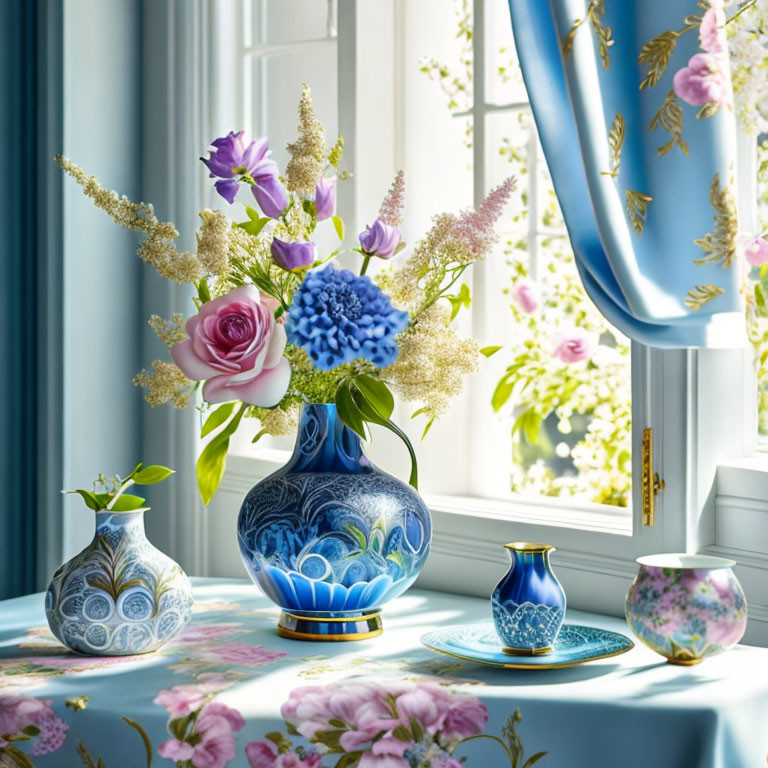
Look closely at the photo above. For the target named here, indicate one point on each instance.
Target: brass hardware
(651, 484)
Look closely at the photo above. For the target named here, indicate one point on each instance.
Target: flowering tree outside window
(567, 380)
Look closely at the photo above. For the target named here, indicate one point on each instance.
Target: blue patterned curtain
(632, 103)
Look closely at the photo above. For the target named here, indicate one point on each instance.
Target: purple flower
(270, 194)
(325, 198)
(712, 29)
(526, 295)
(293, 255)
(380, 240)
(233, 161)
(574, 345)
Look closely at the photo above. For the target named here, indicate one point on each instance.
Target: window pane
(289, 21)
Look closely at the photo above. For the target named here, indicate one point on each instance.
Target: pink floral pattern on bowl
(686, 607)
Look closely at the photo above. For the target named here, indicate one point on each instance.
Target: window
(376, 72)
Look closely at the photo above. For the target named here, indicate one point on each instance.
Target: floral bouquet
(280, 324)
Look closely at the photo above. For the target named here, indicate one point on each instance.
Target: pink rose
(755, 250)
(574, 345)
(242, 654)
(703, 81)
(711, 37)
(236, 347)
(526, 295)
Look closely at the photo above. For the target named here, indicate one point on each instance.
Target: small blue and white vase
(529, 602)
(120, 596)
(329, 537)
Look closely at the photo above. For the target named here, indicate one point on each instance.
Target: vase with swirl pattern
(120, 596)
(528, 604)
(330, 537)
(686, 607)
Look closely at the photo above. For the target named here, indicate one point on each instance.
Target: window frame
(696, 401)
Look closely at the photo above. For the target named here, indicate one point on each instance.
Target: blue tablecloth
(210, 698)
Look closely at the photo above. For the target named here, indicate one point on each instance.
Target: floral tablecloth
(229, 692)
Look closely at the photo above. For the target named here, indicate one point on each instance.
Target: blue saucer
(479, 642)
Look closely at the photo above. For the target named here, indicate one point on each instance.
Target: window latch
(651, 484)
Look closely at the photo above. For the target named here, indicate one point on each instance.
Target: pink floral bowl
(686, 607)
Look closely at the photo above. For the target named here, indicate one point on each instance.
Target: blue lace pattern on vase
(527, 625)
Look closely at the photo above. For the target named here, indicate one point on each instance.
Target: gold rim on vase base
(329, 620)
(293, 635)
(528, 651)
(528, 547)
(684, 662)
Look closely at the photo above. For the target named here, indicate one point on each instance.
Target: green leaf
(534, 759)
(532, 427)
(144, 738)
(151, 475)
(202, 291)
(127, 502)
(361, 541)
(502, 393)
(348, 411)
(418, 731)
(336, 723)
(399, 247)
(461, 299)
(217, 418)
(488, 351)
(376, 393)
(279, 740)
(19, 757)
(370, 414)
(212, 461)
(91, 499)
(30, 730)
(338, 225)
(402, 733)
(256, 224)
(349, 760)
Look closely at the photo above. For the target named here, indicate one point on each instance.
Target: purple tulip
(380, 240)
(325, 198)
(270, 194)
(293, 255)
(233, 161)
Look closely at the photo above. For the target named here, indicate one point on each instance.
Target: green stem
(512, 760)
(414, 478)
(365, 264)
(741, 10)
(439, 295)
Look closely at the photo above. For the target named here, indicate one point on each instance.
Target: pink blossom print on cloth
(381, 725)
(26, 719)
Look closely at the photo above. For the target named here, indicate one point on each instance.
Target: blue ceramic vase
(329, 537)
(529, 602)
(120, 595)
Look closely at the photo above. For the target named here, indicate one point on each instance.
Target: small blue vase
(120, 595)
(529, 602)
(329, 537)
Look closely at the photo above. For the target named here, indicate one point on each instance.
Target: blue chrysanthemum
(339, 317)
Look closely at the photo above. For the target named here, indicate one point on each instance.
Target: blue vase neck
(325, 444)
(125, 523)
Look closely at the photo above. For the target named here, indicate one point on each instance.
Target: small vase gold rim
(528, 651)
(529, 547)
(685, 662)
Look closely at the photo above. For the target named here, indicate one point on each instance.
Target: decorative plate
(479, 642)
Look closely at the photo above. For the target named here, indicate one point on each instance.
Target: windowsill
(538, 511)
